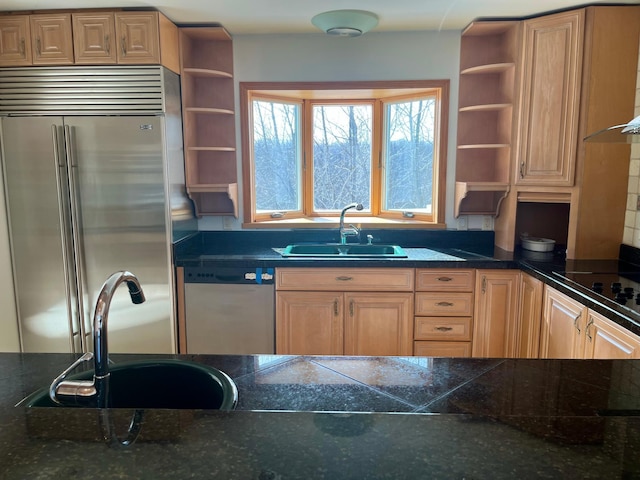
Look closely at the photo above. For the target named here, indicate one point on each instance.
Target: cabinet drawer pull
(335, 307)
(22, 46)
(522, 170)
(351, 305)
(124, 45)
(344, 278)
(444, 279)
(444, 304)
(106, 44)
(443, 329)
(38, 46)
(587, 329)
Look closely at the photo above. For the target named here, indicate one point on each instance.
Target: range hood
(625, 133)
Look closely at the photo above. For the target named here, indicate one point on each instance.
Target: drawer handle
(123, 44)
(444, 304)
(444, 279)
(107, 45)
(344, 279)
(443, 329)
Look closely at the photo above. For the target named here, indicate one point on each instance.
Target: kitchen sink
(167, 383)
(340, 250)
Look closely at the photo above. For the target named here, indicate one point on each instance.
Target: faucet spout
(351, 230)
(96, 393)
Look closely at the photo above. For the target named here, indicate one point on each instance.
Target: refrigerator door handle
(67, 242)
(76, 226)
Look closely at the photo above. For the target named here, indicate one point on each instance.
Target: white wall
(424, 55)
(9, 340)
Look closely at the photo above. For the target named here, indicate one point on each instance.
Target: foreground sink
(339, 250)
(172, 384)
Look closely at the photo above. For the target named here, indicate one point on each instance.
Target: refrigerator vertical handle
(65, 237)
(76, 225)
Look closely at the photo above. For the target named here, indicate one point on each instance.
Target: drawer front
(448, 280)
(346, 279)
(442, 349)
(443, 328)
(437, 304)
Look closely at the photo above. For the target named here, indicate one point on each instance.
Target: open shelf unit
(208, 111)
(488, 64)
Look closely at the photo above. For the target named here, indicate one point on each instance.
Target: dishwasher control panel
(233, 275)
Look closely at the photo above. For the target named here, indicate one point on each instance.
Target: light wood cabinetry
(529, 316)
(209, 119)
(443, 321)
(495, 321)
(579, 76)
(351, 311)
(549, 99)
(89, 38)
(488, 65)
(51, 39)
(94, 38)
(15, 41)
(604, 339)
(563, 325)
(571, 330)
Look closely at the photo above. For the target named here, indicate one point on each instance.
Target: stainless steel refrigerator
(94, 183)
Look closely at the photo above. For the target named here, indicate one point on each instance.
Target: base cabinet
(344, 312)
(604, 339)
(494, 325)
(571, 330)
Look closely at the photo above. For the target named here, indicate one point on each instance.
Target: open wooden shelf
(209, 119)
(488, 62)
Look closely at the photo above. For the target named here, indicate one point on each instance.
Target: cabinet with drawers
(443, 321)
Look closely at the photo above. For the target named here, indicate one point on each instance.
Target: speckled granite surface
(345, 417)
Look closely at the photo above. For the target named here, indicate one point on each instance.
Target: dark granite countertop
(345, 418)
(425, 249)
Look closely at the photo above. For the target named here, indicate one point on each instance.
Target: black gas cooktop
(619, 287)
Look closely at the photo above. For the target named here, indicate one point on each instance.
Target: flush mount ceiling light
(625, 133)
(345, 23)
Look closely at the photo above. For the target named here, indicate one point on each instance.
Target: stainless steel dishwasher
(229, 310)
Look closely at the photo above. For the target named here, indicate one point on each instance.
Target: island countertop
(345, 417)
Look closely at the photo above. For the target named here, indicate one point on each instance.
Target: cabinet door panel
(563, 321)
(138, 37)
(378, 324)
(94, 38)
(547, 137)
(606, 340)
(52, 39)
(309, 323)
(15, 41)
(494, 325)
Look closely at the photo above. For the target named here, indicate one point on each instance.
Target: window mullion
(307, 170)
(377, 161)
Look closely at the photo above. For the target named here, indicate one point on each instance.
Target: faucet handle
(369, 239)
(69, 390)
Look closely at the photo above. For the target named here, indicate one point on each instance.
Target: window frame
(345, 92)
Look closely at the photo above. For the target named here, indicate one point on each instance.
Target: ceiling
(241, 17)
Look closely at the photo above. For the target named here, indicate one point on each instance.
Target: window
(311, 149)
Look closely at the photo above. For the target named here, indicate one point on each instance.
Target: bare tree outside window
(341, 156)
(276, 150)
(409, 142)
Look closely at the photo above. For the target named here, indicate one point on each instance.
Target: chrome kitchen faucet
(351, 230)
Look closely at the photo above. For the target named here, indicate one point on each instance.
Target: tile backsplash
(632, 217)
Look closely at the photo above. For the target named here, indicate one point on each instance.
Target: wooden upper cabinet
(94, 39)
(52, 39)
(552, 54)
(138, 35)
(494, 323)
(15, 41)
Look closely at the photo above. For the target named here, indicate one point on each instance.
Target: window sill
(333, 222)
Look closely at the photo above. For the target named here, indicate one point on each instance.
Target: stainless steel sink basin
(339, 250)
(170, 383)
